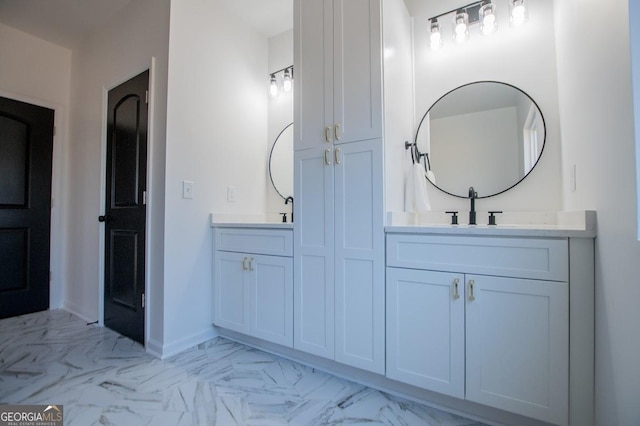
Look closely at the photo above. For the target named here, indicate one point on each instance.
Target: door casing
(103, 186)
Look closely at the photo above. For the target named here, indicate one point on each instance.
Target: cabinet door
(359, 255)
(313, 63)
(230, 291)
(425, 329)
(313, 252)
(518, 345)
(357, 70)
(338, 63)
(271, 290)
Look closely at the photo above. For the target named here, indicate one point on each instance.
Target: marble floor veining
(103, 378)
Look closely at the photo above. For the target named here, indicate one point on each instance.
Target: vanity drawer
(534, 258)
(276, 242)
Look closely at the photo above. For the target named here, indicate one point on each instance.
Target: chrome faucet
(472, 212)
(286, 201)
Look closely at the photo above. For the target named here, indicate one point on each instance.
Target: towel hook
(415, 154)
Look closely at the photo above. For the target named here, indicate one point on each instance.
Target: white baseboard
(166, 350)
(77, 310)
(154, 348)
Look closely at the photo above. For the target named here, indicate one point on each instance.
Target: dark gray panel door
(125, 215)
(26, 147)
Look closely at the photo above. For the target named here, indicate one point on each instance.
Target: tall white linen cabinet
(339, 289)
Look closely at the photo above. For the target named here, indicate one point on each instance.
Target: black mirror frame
(271, 154)
(544, 143)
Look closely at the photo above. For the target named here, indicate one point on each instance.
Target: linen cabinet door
(518, 346)
(313, 229)
(359, 255)
(271, 291)
(230, 291)
(357, 62)
(425, 329)
(313, 64)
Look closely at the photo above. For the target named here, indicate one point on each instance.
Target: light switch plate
(231, 194)
(187, 189)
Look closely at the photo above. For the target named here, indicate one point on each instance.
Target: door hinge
(55, 129)
(146, 97)
(144, 198)
(142, 300)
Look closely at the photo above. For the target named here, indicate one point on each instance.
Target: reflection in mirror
(487, 134)
(281, 163)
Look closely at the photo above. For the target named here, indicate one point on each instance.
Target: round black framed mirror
(487, 135)
(281, 162)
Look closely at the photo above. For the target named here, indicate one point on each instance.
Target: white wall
(34, 67)
(38, 72)
(280, 112)
(123, 48)
(216, 127)
(596, 112)
(634, 29)
(398, 99)
(523, 57)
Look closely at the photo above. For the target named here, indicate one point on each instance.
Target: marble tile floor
(102, 378)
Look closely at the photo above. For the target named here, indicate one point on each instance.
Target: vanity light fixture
(287, 81)
(435, 37)
(287, 84)
(518, 12)
(273, 86)
(461, 26)
(488, 23)
(481, 12)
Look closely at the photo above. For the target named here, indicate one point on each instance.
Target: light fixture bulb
(461, 27)
(273, 87)
(286, 82)
(518, 12)
(435, 37)
(488, 16)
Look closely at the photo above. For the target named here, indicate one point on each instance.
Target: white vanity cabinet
(485, 319)
(253, 282)
(338, 182)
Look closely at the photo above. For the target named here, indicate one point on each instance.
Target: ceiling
(66, 22)
(63, 22)
(268, 17)
(429, 8)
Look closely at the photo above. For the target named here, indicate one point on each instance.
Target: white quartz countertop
(536, 224)
(249, 221)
